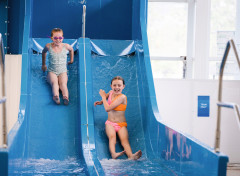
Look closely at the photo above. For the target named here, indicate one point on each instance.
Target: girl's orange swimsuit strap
(121, 107)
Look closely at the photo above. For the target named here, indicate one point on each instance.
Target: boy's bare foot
(56, 99)
(116, 155)
(136, 155)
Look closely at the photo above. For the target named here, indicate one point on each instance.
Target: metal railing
(3, 98)
(221, 104)
(83, 21)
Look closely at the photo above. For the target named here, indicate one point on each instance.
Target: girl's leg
(123, 135)
(111, 133)
(63, 79)
(53, 81)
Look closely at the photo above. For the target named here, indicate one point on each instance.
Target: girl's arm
(71, 53)
(44, 54)
(100, 102)
(114, 104)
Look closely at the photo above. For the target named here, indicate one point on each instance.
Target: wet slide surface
(52, 143)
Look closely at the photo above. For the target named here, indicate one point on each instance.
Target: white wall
(13, 65)
(177, 103)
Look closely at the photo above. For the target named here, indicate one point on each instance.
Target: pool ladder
(221, 104)
(3, 98)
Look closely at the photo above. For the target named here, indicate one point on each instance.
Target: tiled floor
(233, 169)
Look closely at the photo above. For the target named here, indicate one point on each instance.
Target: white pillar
(202, 35)
(190, 38)
(237, 34)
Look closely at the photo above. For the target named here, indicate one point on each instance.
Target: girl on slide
(57, 67)
(115, 104)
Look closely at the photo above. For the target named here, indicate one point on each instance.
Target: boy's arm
(71, 53)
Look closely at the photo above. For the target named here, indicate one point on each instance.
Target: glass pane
(231, 70)
(223, 28)
(167, 28)
(167, 69)
(223, 22)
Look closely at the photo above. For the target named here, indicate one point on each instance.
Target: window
(223, 27)
(167, 69)
(168, 37)
(167, 29)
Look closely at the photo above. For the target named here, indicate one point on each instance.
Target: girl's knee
(111, 137)
(63, 86)
(54, 83)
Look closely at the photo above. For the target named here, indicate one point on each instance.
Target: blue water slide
(46, 139)
(70, 140)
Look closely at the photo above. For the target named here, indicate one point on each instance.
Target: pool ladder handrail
(3, 99)
(221, 104)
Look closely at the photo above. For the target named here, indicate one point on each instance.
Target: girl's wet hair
(56, 30)
(118, 78)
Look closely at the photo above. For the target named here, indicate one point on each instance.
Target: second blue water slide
(71, 140)
(165, 151)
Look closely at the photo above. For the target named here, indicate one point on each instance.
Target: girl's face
(117, 86)
(57, 38)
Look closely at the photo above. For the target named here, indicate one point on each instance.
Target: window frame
(190, 37)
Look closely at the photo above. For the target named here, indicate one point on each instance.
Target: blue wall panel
(53, 14)
(109, 19)
(3, 162)
(3, 20)
(105, 19)
(15, 26)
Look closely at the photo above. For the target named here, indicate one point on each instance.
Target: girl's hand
(44, 68)
(102, 93)
(70, 62)
(98, 103)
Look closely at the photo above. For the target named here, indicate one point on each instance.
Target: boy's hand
(44, 68)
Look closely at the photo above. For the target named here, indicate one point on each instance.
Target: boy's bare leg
(123, 135)
(53, 81)
(111, 133)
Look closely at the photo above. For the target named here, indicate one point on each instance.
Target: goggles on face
(55, 38)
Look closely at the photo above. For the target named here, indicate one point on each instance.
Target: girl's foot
(65, 100)
(116, 155)
(136, 155)
(56, 99)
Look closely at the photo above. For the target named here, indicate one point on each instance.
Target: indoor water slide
(51, 139)
(47, 140)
